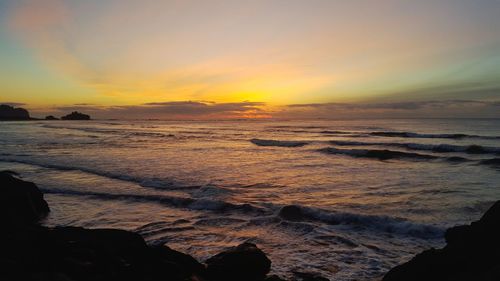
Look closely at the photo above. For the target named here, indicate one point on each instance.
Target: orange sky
(63, 53)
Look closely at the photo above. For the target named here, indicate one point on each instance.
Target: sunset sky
(225, 59)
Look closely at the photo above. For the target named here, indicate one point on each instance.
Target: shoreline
(21, 217)
(76, 253)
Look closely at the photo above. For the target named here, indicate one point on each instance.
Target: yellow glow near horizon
(63, 52)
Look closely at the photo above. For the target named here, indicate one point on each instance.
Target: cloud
(205, 110)
(399, 106)
(453, 108)
(173, 110)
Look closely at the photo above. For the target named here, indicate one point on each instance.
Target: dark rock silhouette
(30, 252)
(21, 202)
(51, 117)
(291, 213)
(245, 262)
(75, 115)
(8, 112)
(72, 253)
(472, 252)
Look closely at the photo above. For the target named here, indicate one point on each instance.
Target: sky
(216, 59)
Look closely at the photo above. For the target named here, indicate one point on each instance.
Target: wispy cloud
(202, 110)
(399, 106)
(453, 108)
(135, 52)
(173, 110)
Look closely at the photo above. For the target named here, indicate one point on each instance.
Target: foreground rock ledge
(472, 253)
(30, 252)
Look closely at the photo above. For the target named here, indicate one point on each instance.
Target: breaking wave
(469, 149)
(432, 136)
(261, 142)
(156, 183)
(491, 162)
(380, 154)
(171, 201)
(375, 222)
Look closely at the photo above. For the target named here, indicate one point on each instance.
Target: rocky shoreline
(472, 253)
(30, 251)
(34, 252)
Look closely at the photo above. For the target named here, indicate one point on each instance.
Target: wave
(124, 132)
(300, 127)
(491, 162)
(151, 134)
(469, 149)
(84, 129)
(438, 136)
(374, 222)
(262, 142)
(402, 134)
(328, 132)
(135, 133)
(171, 201)
(155, 183)
(380, 154)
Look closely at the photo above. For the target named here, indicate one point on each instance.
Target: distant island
(8, 112)
(75, 115)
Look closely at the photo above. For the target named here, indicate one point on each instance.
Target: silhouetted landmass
(51, 117)
(472, 252)
(32, 252)
(8, 112)
(75, 115)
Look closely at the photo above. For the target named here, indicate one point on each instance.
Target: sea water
(370, 194)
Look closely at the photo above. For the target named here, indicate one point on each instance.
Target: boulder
(244, 262)
(472, 252)
(21, 202)
(8, 112)
(185, 266)
(291, 213)
(39, 253)
(75, 115)
(51, 117)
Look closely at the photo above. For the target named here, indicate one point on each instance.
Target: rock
(472, 252)
(75, 115)
(8, 112)
(75, 253)
(291, 213)
(30, 252)
(21, 202)
(51, 117)
(244, 262)
(185, 266)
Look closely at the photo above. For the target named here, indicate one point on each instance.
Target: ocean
(346, 199)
